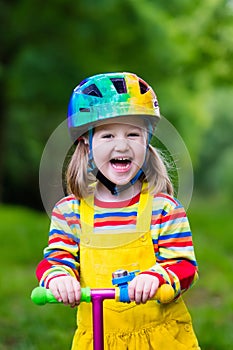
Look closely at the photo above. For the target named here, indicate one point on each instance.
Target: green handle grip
(42, 296)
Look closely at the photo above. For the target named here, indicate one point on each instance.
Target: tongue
(120, 164)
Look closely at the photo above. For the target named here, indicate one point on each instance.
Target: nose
(121, 144)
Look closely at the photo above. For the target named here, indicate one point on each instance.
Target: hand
(66, 289)
(142, 288)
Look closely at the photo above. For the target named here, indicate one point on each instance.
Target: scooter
(120, 280)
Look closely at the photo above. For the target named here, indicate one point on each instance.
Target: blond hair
(80, 182)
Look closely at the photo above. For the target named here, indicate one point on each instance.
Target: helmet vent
(143, 87)
(92, 90)
(119, 84)
(84, 109)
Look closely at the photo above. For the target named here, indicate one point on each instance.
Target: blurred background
(183, 49)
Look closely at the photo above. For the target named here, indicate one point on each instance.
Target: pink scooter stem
(165, 294)
(97, 298)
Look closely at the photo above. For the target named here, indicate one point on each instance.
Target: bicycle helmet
(107, 96)
(110, 95)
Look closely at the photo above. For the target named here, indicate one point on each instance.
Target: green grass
(211, 299)
(25, 326)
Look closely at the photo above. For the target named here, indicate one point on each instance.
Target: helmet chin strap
(111, 186)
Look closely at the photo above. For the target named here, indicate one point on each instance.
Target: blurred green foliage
(214, 173)
(182, 48)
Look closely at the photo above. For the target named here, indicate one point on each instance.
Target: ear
(82, 139)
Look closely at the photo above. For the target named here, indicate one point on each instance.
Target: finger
(73, 292)
(64, 293)
(131, 290)
(154, 288)
(70, 295)
(55, 291)
(71, 287)
(139, 288)
(138, 295)
(77, 291)
(146, 291)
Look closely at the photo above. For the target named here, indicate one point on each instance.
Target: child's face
(119, 149)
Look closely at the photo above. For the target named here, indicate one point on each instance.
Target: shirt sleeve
(173, 245)
(61, 256)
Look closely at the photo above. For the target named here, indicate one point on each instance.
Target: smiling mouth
(120, 163)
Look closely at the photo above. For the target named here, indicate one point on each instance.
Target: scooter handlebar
(42, 296)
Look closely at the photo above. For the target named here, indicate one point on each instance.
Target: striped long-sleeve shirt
(170, 234)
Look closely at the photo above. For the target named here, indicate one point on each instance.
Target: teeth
(121, 158)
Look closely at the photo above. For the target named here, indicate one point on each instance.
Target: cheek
(99, 154)
(140, 154)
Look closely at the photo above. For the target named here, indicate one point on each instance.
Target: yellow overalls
(149, 326)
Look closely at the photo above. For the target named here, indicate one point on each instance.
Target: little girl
(120, 214)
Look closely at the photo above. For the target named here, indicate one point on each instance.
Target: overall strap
(144, 210)
(109, 239)
(87, 215)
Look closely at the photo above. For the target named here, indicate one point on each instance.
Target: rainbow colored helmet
(110, 95)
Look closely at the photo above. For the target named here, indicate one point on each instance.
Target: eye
(107, 136)
(134, 134)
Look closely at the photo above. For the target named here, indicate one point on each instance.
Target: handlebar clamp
(120, 278)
